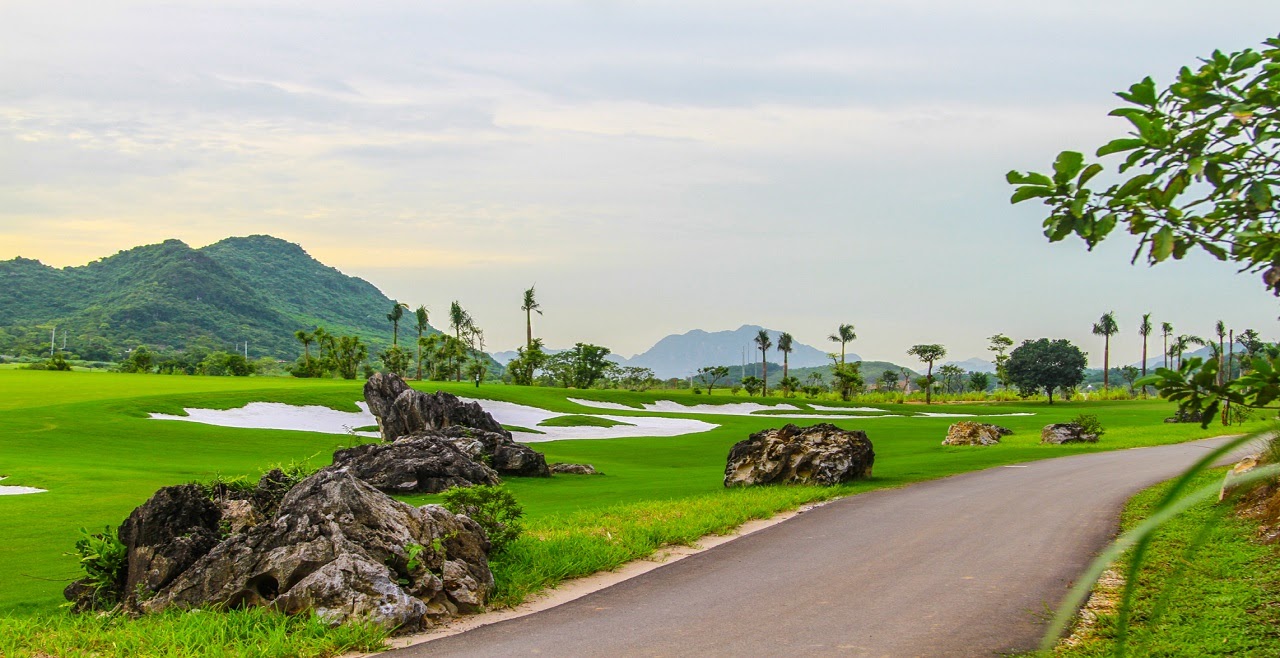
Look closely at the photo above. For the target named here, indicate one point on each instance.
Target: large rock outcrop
(1059, 433)
(969, 433)
(346, 551)
(422, 463)
(819, 454)
(402, 411)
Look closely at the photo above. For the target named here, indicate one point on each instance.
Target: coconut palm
(394, 316)
(1106, 327)
(1181, 344)
(529, 306)
(762, 339)
(1221, 329)
(1144, 330)
(784, 346)
(461, 322)
(843, 335)
(420, 323)
(306, 338)
(1167, 330)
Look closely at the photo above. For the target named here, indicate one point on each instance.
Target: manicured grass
(86, 438)
(1220, 599)
(517, 428)
(580, 421)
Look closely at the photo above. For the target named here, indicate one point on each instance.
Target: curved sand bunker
(280, 416)
(753, 409)
(17, 491)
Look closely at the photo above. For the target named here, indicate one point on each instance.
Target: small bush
(494, 508)
(1090, 423)
(103, 558)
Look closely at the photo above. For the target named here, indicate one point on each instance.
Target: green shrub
(494, 508)
(103, 559)
(1090, 423)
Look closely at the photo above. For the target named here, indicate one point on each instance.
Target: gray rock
(402, 411)
(497, 450)
(420, 463)
(819, 454)
(968, 433)
(339, 547)
(1059, 433)
(165, 535)
(573, 469)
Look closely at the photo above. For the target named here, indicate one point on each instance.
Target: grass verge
(1206, 588)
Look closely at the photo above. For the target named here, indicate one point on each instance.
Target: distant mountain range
(974, 365)
(258, 289)
(680, 355)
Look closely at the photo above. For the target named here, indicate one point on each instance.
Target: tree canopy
(1046, 364)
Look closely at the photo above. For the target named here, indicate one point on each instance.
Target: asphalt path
(969, 565)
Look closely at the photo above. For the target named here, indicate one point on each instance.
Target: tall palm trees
(1166, 330)
(306, 338)
(784, 346)
(1106, 327)
(1221, 329)
(420, 323)
(762, 339)
(843, 335)
(529, 306)
(394, 316)
(1182, 344)
(461, 321)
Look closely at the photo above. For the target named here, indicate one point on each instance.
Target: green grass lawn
(85, 437)
(574, 420)
(1220, 599)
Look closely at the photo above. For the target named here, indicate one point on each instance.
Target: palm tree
(1180, 345)
(306, 339)
(1167, 329)
(762, 339)
(1106, 327)
(843, 335)
(420, 323)
(1144, 330)
(394, 316)
(461, 321)
(784, 346)
(1221, 329)
(529, 306)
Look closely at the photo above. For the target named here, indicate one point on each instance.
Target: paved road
(965, 566)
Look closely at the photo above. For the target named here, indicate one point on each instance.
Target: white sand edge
(8, 490)
(571, 590)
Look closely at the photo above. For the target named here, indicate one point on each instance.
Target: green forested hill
(258, 289)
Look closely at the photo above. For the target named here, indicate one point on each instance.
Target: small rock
(499, 451)
(573, 469)
(968, 433)
(1059, 433)
(819, 454)
(1243, 466)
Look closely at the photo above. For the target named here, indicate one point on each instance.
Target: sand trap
(928, 414)
(17, 491)
(279, 416)
(738, 409)
(820, 407)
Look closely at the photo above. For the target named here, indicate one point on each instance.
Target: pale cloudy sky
(653, 166)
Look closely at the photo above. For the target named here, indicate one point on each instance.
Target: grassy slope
(1223, 601)
(86, 439)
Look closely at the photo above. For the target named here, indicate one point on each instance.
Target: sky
(651, 167)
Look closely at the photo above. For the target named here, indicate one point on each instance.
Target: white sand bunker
(17, 491)
(735, 409)
(928, 414)
(279, 416)
(822, 407)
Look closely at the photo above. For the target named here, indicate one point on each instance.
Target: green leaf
(1088, 173)
(1162, 244)
(1029, 178)
(1260, 194)
(1029, 192)
(1067, 166)
(1120, 145)
(1133, 185)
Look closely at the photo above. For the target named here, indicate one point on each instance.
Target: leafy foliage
(1089, 423)
(580, 366)
(1046, 364)
(494, 508)
(103, 557)
(1200, 169)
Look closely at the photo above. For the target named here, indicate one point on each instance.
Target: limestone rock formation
(165, 535)
(498, 450)
(402, 411)
(1059, 433)
(969, 433)
(420, 463)
(574, 469)
(819, 454)
(340, 548)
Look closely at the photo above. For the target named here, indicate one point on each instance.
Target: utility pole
(53, 340)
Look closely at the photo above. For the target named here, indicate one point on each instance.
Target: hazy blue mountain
(974, 365)
(680, 355)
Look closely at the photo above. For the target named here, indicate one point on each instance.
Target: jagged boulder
(1059, 433)
(402, 411)
(819, 454)
(346, 551)
(498, 450)
(420, 463)
(968, 433)
(574, 469)
(165, 535)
